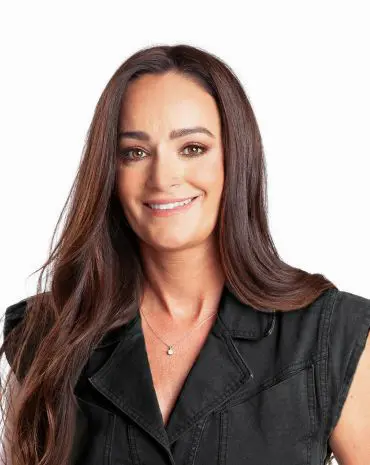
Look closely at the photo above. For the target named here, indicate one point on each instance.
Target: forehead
(168, 101)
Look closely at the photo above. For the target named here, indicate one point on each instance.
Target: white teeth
(168, 206)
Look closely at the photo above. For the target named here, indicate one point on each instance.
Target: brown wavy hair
(94, 273)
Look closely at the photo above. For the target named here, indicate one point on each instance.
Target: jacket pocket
(273, 425)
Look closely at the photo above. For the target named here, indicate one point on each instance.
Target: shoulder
(336, 319)
(348, 308)
(301, 334)
(345, 326)
(345, 323)
(333, 333)
(348, 378)
(14, 314)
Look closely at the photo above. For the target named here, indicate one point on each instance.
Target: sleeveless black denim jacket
(267, 388)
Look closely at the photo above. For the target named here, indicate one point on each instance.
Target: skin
(179, 252)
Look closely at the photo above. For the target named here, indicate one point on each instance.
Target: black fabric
(347, 323)
(13, 316)
(267, 388)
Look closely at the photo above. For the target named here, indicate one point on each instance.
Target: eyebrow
(141, 135)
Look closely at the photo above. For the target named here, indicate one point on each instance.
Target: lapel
(218, 372)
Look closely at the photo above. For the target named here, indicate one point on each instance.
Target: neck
(184, 286)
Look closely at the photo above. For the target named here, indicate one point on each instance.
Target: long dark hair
(94, 273)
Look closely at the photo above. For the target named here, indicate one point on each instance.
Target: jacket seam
(325, 321)
(132, 445)
(109, 439)
(195, 441)
(325, 347)
(222, 448)
(281, 376)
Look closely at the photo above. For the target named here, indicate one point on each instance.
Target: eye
(194, 152)
(125, 153)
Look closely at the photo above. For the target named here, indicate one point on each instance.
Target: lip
(161, 201)
(174, 211)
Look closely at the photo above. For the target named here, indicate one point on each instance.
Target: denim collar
(218, 372)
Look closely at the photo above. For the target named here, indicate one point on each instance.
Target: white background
(304, 66)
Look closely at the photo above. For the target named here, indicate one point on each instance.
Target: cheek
(128, 189)
(211, 177)
(128, 184)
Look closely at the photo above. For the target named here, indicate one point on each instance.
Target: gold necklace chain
(170, 347)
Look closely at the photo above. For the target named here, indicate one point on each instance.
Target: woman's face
(154, 165)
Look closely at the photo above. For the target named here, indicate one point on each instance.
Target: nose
(165, 170)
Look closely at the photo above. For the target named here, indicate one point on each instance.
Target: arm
(350, 439)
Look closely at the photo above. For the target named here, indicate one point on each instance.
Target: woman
(172, 332)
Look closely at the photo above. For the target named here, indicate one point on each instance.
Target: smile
(171, 208)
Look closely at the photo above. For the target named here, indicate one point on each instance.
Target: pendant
(170, 350)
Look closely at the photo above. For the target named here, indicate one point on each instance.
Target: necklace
(170, 347)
